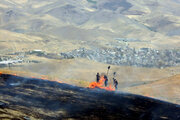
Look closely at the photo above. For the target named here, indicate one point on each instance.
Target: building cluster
(144, 57)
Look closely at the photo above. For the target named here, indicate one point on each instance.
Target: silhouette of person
(97, 77)
(106, 80)
(114, 80)
(115, 84)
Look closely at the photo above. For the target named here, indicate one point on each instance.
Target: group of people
(115, 82)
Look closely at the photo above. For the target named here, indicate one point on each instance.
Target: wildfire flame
(100, 85)
(92, 85)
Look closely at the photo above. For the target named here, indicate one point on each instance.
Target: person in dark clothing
(115, 84)
(97, 77)
(114, 80)
(106, 80)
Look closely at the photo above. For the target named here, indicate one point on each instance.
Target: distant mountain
(73, 22)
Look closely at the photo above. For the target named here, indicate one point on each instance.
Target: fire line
(100, 85)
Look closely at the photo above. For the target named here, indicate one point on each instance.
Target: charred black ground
(41, 99)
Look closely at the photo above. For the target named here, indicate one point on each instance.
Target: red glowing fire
(100, 85)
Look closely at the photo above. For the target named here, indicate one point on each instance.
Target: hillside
(166, 89)
(69, 41)
(73, 23)
(32, 99)
(81, 72)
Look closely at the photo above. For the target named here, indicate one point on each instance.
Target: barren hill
(72, 22)
(160, 89)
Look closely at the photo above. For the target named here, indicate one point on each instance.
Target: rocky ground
(32, 99)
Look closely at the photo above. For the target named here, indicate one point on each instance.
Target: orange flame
(92, 85)
(100, 85)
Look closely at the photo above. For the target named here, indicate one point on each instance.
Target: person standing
(97, 77)
(115, 84)
(106, 80)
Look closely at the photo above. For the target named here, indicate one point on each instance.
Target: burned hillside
(29, 98)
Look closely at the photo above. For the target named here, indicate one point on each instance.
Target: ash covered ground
(28, 99)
